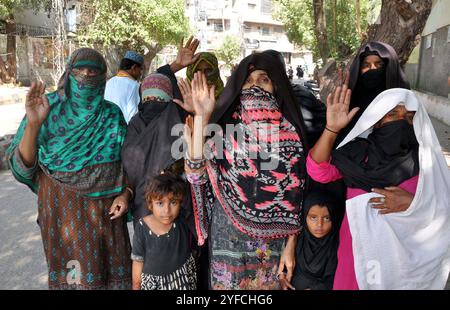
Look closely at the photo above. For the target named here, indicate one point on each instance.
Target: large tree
(229, 51)
(320, 29)
(297, 17)
(8, 11)
(143, 26)
(328, 28)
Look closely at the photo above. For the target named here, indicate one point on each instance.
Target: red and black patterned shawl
(261, 203)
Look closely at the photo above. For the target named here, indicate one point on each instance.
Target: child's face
(166, 209)
(318, 221)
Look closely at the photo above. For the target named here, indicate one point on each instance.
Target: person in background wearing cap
(123, 89)
(147, 147)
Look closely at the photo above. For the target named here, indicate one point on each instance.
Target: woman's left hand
(395, 200)
(203, 97)
(186, 55)
(186, 92)
(287, 261)
(119, 206)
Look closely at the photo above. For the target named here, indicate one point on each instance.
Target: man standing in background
(123, 89)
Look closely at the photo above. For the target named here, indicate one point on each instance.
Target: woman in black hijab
(375, 68)
(246, 209)
(316, 253)
(229, 98)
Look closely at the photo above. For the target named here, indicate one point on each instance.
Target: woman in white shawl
(392, 150)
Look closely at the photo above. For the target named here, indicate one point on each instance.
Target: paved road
(10, 117)
(22, 262)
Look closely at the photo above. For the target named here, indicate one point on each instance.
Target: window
(433, 48)
(266, 7)
(428, 41)
(71, 18)
(218, 27)
(2, 27)
(265, 31)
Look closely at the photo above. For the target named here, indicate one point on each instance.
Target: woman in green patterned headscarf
(207, 63)
(67, 151)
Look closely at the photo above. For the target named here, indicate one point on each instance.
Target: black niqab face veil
(388, 157)
(365, 87)
(395, 77)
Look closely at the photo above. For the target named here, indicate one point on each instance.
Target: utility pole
(59, 39)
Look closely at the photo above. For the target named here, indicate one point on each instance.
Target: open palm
(203, 98)
(36, 104)
(186, 92)
(338, 103)
(185, 56)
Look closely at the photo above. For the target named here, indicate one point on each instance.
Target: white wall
(439, 17)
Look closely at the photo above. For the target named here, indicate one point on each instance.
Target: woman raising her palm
(67, 151)
(248, 195)
(396, 199)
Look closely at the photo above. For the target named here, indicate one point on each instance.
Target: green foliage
(134, 24)
(229, 51)
(8, 7)
(297, 15)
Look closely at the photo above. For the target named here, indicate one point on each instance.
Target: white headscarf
(410, 249)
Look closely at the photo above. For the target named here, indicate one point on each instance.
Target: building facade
(428, 67)
(35, 43)
(251, 21)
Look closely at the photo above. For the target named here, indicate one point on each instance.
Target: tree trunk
(402, 22)
(4, 76)
(320, 30)
(148, 57)
(334, 25)
(358, 18)
(11, 48)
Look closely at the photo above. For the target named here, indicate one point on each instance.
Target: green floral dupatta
(79, 144)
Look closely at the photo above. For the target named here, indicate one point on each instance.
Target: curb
(13, 99)
(436, 106)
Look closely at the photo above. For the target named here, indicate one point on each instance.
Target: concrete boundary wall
(437, 106)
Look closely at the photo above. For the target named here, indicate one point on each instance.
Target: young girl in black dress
(162, 255)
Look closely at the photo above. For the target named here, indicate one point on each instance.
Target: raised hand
(338, 103)
(36, 105)
(186, 92)
(203, 98)
(186, 55)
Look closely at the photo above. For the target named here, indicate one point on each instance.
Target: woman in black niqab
(366, 86)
